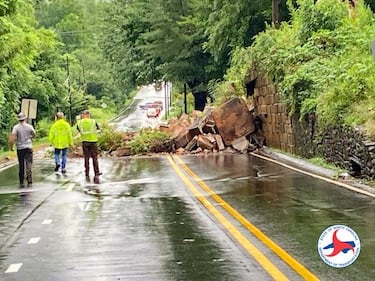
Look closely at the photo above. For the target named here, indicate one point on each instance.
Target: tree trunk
(276, 13)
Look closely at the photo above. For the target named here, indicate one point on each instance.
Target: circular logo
(339, 246)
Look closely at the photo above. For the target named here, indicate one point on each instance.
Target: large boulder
(233, 120)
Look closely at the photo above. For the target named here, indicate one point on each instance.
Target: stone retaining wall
(277, 125)
(351, 150)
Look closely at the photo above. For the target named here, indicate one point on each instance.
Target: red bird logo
(339, 246)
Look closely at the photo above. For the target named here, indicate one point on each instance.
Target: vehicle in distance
(155, 104)
(153, 112)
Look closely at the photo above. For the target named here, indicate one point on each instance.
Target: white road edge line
(70, 187)
(34, 240)
(347, 186)
(49, 221)
(13, 268)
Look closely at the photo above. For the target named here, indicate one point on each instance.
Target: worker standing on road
(22, 135)
(60, 136)
(88, 129)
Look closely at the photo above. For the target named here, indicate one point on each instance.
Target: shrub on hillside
(147, 140)
(109, 139)
(42, 128)
(321, 61)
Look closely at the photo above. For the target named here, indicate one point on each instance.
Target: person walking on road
(22, 135)
(60, 136)
(88, 128)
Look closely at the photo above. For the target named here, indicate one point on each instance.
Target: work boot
(63, 171)
(57, 167)
(87, 178)
(96, 180)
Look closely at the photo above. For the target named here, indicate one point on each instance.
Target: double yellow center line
(251, 249)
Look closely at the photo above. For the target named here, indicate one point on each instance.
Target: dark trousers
(90, 150)
(25, 158)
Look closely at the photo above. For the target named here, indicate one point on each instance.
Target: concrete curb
(7, 164)
(298, 163)
(329, 175)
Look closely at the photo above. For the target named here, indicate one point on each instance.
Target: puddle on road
(117, 189)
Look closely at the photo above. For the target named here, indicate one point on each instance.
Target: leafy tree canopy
(321, 61)
(183, 41)
(22, 47)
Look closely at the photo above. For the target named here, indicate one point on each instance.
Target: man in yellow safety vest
(88, 129)
(60, 136)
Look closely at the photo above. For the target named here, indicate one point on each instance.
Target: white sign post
(29, 108)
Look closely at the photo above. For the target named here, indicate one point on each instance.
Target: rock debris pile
(231, 126)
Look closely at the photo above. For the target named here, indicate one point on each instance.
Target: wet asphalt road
(143, 226)
(134, 117)
(145, 223)
(152, 218)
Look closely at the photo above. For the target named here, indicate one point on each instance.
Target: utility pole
(165, 100)
(276, 13)
(170, 92)
(69, 91)
(185, 100)
(84, 84)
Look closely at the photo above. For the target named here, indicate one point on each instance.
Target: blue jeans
(63, 152)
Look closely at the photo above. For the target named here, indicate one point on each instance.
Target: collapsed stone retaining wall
(277, 126)
(288, 133)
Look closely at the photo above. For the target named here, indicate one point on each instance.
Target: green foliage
(23, 47)
(323, 163)
(122, 41)
(232, 24)
(311, 17)
(232, 85)
(69, 29)
(7, 7)
(102, 114)
(78, 25)
(321, 61)
(146, 139)
(181, 41)
(42, 128)
(109, 139)
(50, 13)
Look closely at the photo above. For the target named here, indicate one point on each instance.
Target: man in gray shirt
(22, 134)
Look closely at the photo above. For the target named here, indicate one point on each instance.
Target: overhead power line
(76, 31)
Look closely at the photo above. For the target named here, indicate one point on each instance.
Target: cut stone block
(233, 120)
(219, 142)
(192, 144)
(241, 144)
(204, 142)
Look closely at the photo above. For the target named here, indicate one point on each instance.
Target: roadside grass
(318, 161)
(10, 155)
(101, 115)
